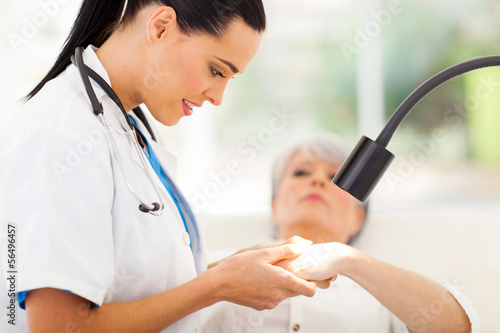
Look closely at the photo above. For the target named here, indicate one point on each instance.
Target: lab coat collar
(91, 60)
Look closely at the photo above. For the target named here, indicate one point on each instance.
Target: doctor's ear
(160, 23)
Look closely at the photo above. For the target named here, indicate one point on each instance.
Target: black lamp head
(363, 168)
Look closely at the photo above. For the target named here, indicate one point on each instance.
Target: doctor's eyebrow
(230, 65)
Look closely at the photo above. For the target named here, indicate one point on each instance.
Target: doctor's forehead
(237, 47)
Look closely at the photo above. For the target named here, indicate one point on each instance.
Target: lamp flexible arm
(369, 160)
(425, 88)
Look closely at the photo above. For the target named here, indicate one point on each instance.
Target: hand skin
(422, 304)
(323, 284)
(293, 240)
(248, 279)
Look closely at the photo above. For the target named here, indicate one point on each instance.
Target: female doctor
(105, 240)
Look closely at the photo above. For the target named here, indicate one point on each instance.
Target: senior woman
(367, 295)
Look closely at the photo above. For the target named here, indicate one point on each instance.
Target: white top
(344, 307)
(78, 225)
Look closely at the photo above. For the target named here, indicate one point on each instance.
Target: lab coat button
(187, 239)
(296, 327)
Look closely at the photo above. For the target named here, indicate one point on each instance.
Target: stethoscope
(156, 208)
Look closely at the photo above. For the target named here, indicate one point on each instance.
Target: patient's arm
(422, 304)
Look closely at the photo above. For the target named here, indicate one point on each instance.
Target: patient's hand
(319, 262)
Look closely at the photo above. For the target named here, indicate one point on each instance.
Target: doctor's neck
(122, 57)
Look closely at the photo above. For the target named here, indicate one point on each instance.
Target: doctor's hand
(319, 262)
(251, 279)
(324, 284)
(265, 245)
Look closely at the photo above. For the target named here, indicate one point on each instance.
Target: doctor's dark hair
(98, 19)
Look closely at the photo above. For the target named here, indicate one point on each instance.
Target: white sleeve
(465, 303)
(59, 185)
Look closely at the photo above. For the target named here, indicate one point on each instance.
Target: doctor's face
(183, 71)
(307, 204)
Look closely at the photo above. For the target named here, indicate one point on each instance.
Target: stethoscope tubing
(156, 208)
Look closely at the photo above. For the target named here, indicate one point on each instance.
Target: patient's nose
(318, 180)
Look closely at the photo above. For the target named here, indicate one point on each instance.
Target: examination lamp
(369, 160)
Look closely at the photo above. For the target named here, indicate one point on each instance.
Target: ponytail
(96, 21)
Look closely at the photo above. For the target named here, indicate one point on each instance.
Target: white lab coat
(78, 226)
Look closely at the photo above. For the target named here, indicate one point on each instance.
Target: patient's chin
(316, 233)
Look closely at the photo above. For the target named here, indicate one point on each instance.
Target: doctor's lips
(188, 106)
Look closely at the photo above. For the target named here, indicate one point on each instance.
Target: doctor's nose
(215, 94)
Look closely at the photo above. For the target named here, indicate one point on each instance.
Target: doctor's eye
(216, 72)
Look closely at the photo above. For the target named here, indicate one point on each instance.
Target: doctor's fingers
(282, 286)
(265, 245)
(293, 285)
(259, 246)
(297, 240)
(274, 284)
(259, 285)
(285, 251)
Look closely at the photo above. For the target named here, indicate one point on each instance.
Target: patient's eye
(300, 173)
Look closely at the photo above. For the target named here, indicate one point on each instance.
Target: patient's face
(307, 204)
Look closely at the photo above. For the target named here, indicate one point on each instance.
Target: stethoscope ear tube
(86, 73)
(96, 105)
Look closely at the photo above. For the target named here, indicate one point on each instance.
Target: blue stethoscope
(155, 208)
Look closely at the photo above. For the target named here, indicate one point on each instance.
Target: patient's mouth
(315, 197)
